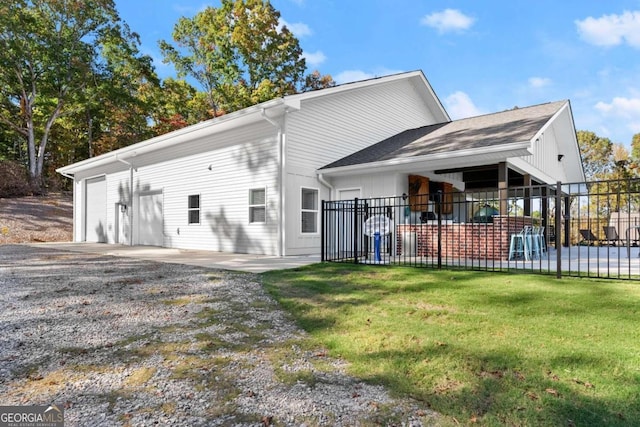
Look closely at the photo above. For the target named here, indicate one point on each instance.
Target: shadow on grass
(497, 394)
(502, 383)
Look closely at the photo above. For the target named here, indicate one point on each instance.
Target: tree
(238, 53)
(176, 104)
(596, 154)
(316, 81)
(50, 52)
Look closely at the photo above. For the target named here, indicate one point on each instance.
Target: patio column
(503, 187)
(545, 212)
(527, 194)
(567, 220)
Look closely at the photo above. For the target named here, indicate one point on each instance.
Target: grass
(493, 349)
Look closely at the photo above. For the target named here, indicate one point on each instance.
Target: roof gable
(238, 119)
(490, 130)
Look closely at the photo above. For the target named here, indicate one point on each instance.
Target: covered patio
(445, 176)
(488, 240)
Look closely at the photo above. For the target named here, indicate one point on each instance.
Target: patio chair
(611, 235)
(520, 245)
(538, 244)
(588, 237)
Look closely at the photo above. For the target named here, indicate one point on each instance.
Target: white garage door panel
(96, 210)
(150, 220)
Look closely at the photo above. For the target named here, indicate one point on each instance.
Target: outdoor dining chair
(588, 237)
(611, 235)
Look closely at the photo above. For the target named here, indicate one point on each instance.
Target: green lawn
(479, 347)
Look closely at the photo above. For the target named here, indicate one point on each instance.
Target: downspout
(281, 206)
(130, 208)
(327, 184)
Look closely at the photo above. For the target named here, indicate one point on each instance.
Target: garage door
(96, 210)
(150, 219)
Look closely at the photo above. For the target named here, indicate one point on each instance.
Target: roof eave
(439, 160)
(205, 128)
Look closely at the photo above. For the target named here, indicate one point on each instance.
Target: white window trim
(199, 209)
(317, 211)
(263, 205)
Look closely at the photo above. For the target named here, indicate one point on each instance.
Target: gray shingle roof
(517, 125)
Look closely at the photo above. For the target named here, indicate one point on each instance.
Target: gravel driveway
(118, 341)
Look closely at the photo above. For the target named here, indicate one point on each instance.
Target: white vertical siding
(373, 185)
(545, 155)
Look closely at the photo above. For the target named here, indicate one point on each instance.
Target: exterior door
(95, 208)
(343, 224)
(150, 219)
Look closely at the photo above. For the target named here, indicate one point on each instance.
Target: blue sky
(479, 56)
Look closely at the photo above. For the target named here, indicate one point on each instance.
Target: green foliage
(238, 53)
(596, 154)
(478, 347)
(316, 81)
(59, 57)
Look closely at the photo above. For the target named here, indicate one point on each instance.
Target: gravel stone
(118, 341)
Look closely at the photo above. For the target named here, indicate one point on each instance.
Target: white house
(252, 181)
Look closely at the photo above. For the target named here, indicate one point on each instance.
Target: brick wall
(475, 241)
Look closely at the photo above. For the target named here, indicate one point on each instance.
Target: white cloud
(314, 58)
(538, 82)
(299, 29)
(623, 107)
(611, 30)
(622, 112)
(448, 20)
(459, 106)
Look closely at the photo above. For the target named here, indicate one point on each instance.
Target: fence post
(439, 213)
(558, 242)
(355, 230)
(322, 232)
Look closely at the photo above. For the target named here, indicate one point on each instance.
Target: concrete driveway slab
(208, 259)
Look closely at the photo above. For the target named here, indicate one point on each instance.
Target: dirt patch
(36, 219)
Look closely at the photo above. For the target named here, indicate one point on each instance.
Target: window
(257, 206)
(309, 210)
(194, 209)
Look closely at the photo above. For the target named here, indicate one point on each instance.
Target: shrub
(14, 180)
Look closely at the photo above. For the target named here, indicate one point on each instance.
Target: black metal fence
(589, 229)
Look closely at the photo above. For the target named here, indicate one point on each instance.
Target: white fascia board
(198, 130)
(353, 85)
(371, 82)
(437, 161)
(550, 121)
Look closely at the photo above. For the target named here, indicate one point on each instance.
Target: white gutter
(327, 184)
(509, 150)
(130, 207)
(202, 129)
(281, 218)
